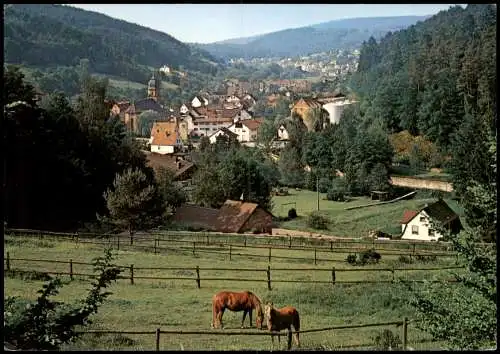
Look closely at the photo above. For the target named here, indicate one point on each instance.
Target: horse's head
(259, 318)
(267, 310)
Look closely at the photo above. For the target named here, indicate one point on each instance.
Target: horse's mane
(259, 301)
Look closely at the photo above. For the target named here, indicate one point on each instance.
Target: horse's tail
(296, 321)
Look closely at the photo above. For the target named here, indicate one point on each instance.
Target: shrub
(370, 256)
(386, 340)
(292, 213)
(351, 259)
(335, 195)
(317, 221)
(426, 259)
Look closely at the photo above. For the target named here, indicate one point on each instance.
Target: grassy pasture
(348, 223)
(180, 305)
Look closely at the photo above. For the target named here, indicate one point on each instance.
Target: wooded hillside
(54, 35)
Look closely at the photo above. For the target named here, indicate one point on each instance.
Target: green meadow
(349, 223)
(179, 305)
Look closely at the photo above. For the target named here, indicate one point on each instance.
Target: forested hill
(326, 36)
(438, 79)
(56, 35)
(425, 78)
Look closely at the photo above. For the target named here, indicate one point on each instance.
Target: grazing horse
(244, 301)
(278, 319)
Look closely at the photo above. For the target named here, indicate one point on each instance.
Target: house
(416, 224)
(196, 217)
(335, 105)
(208, 121)
(165, 137)
(283, 133)
(302, 108)
(183, 170)
(233, 217)
(246, 130)
(222, 131)
(237, 217)
(199, 101)
(119, 109)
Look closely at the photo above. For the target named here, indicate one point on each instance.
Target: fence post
(198, 280)
(268, 277)
(392, 271)
(155, 246)
(315, 256)
(71, 269)
(245, 240)
(131, 239)
(333, 276)
(414, 249)
(118, 242)
(230, 248)
(194, 247)
(331, 246)
(158, 339)
(405, 333)
(132, 274)
(8, 261)
(208, 241)
(289, 339)
(289, 241)
(269, 254)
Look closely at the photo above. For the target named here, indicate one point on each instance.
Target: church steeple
(152, 88)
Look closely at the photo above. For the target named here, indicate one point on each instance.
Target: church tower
(153, 89)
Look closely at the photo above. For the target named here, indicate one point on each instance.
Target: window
(195, 128)
(432, 232)
(414, 230)
(422, 218)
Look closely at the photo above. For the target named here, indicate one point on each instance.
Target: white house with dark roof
(419, 224)
(222, 131)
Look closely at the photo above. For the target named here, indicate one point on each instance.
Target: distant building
(165, 137)
(246, 130)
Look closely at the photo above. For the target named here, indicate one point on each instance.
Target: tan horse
(278, 319)
(244, 301)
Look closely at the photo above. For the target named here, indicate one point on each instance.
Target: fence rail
(286, 241)
(269, 280)
(404, 323)
(235, 249)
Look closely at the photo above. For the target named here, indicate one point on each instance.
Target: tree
(47, 324)
(379, 178)
(134, 202)
(173, 195)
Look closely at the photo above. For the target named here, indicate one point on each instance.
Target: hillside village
(346, 170)
(230, 113)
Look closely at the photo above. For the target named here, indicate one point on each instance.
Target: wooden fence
(333, 271)
(289, 241)
(230, 248)
(404, 323)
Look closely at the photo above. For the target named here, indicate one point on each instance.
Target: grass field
(349, 223)
(180, 305)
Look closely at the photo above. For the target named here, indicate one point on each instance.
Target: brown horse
(278, 319)
(244, 301)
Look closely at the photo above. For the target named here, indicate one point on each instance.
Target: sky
(206, 23)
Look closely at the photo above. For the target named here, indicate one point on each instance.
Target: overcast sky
(206, 23)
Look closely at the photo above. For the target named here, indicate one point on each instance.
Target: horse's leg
(250, 315)
(243, 320)
(221, 313)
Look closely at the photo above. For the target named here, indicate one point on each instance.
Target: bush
(335, 195)
(292, 213)
(317, 221)
(371, 256)
(351, 259)
(426, 259)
